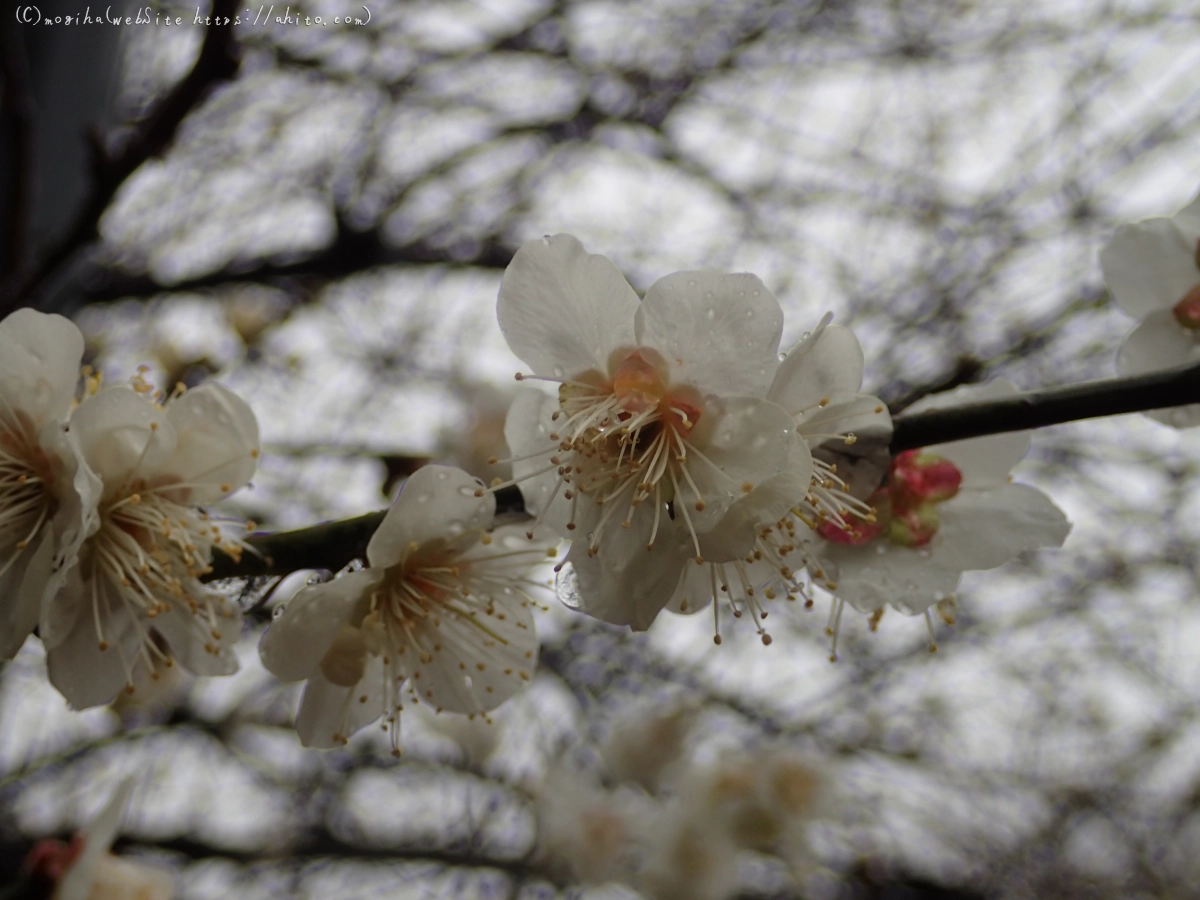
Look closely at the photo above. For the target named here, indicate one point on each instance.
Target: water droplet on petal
(278, 611)
(691, 282)
(441, 476)
(711, 314)
(559, 372)
(467, 491)
(566, 585)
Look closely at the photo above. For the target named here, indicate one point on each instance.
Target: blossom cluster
(693, 466)
(102, 543)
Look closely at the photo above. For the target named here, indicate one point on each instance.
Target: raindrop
(559, 372)
(879, 548)
(566, 585)
(691, 282)
(591, 536)
(441, 476)
(749, 314)
(467, 491)
(711, 314)
(708, 295)
(423, 498)
(278, 611)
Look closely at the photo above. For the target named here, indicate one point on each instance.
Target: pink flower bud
(922, 477)
(1187, 310)
(914, 527)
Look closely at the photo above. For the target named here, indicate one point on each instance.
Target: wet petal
(437, 505)
(122, 435)
(828, 362)
(329, 713)
(527, 431)
(861, 415)
(564, 310)
(297, 640)
(1159, 343)
(880, 573)
(39, 364)
(189, 635)
(21, 591)
(83, 673)
(718, 333)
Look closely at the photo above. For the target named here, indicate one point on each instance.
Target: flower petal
(718, 333)
(527, 431)
(864, 416)
(189, 635)
(624, 583)
(98, 837)
(83, 673)
(39, 364)
(121, 434)
(982, 529)
(1150, 265)
(437, 505)
(330, 713)
(880, 573)
(21, 590)
(1159, 343)
(828, 362)
(300, 636)
(478, 661)
(217, 442)
(738, 443)
(986, 460)
(564, 310)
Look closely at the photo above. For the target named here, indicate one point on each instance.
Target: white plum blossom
(1152, 269)
(47, 494)
(136, 591)
(443, 605)
(653, 452)
(819, 385)
(945, 509)
(84, 869)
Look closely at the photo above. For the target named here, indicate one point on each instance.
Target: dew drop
(278, 611)
(441, 476)
(467, 491)
(566, 585)
(711, 314)
(880, 549)
(691, 282)
(708, 295)
(559, 372)
(749, 314)
(423, 498)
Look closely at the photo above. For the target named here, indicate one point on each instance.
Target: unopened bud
(914, 527)
(1187, 310)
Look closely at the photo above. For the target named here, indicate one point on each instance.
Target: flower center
(151, 552)
(625, 439)
(26, 474)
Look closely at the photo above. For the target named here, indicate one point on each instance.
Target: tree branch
(331, 545)
(217, 62)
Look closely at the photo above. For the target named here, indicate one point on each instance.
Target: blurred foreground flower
(444, 605)
(84, 869)
(1153, 270)
(661, 434)
(48, 495)
(137, 585)
(944, 510)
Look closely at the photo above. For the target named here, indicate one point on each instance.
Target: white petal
(527, 431)
(328, 711)
(216, 435)
(478, 661)
(868, 578)
(1159, 343)
(733, 537)
(297, 640)
(862, 415)
(564, 310)
(187, 635)
(39, 364)
(981, 529)
(121, 434)
(718, 333)
(438, 506)
(21, 590)
(624, 583)
(510, 553)
(1150, 265)
(83, 673)
(745, 442)
(828, 362)
(984, 460)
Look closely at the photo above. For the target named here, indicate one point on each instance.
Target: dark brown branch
(217, 62)
(334, 544)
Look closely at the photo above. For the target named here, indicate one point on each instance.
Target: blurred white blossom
(1153, 270)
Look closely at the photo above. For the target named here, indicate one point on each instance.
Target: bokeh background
(325, 230)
